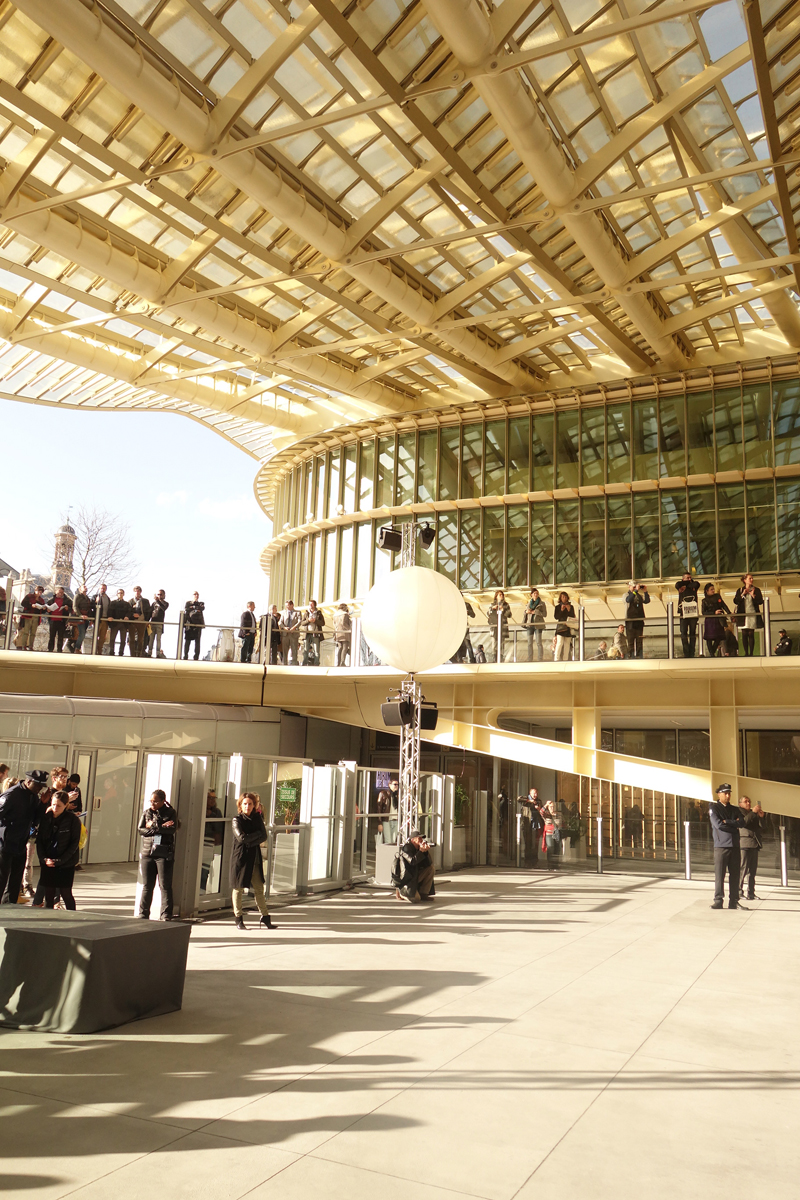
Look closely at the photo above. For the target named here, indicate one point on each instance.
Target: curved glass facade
(708, 480)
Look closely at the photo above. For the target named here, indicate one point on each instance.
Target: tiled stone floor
(563, 1037)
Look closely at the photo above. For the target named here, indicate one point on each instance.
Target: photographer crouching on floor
(413, 870)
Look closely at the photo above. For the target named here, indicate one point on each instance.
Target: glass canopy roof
(278, 219)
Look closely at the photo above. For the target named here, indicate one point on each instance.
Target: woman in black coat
(247, 866)
(714, 622)
(58, 846)
(748, 602)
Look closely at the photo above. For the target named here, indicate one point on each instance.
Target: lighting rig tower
(404, 707)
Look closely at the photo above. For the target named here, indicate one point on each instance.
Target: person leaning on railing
(83, 609)
(312, 623)
(33, 609)
(748, 602)
(158, 612)
(688, 612)
(59, 610)
(564, 613)
(714, 611)
(534, 617)
(499, 614)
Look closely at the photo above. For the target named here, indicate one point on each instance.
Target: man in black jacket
(688, 611)
(635, 599)
(140, 615)
(248, 624)
(413, 873)
(83, 610)
(158, 826)
(726, 821)
(101, 603)
(158, 612)
(784, 646)
(750, 842)
(19, 812)
(193, 624)
(120, 613)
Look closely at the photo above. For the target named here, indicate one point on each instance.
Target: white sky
(186, 493)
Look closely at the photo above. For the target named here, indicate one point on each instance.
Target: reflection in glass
(568, 425)
(406, 465)
(346, 563)
(517, 546)
(316, 568)
(363, 558)
(786, 394)
(493, 547)
(426, 466)
(618, 431)
(495, 466)
(619, 537)
(519, 455)
(334, 480)
(366, 472)
(542, 451)
(112, 805)
(761, 542)
(541, 544)
(307, 512)
(593, 538)
(674, 542)
(471, 461)
(788, 521)
(703, 530)
(447, 544)
(728, 429)
(470, 544)
(449, 462)
(645, 439)
(384, 484)
(567, 556)
(319, 487)
(673, 436)
(732, 531)
(302, 569)
(700, 432)
(757, 425)
(330, 566)
(593, 449)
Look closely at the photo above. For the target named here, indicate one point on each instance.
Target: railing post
(687, 842)
(600, 845)
(96, 629)
(581, 633)
(767, 629)
(266, 638)
(499, 655)
(178, 654)
(784, 862)
(10, 603)
(519, 835)
(670, 630)
(355, 641)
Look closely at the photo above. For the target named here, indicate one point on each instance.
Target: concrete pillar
(586, 729)
(723, 726)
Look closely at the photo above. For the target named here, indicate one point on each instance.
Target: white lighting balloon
(414, 619)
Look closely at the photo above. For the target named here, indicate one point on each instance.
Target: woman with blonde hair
(247, 866)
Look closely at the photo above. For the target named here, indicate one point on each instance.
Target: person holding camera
(635, 599)
(413, 870)
(193, 625)
(158, 827)
(688, 612)
(750, 842)
(565, 618)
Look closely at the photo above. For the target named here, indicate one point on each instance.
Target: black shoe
(266, 921)
(733, 904)
(240, 923)
(716, 905)
(753, 897)
(144, 916)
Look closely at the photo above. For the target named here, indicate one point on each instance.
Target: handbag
(688, 609)
(573, 623)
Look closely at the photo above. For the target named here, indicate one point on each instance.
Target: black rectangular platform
(77, 972)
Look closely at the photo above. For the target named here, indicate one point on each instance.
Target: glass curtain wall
(684, 440)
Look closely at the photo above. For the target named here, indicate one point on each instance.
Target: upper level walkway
(721, 695)
(523, 1036)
